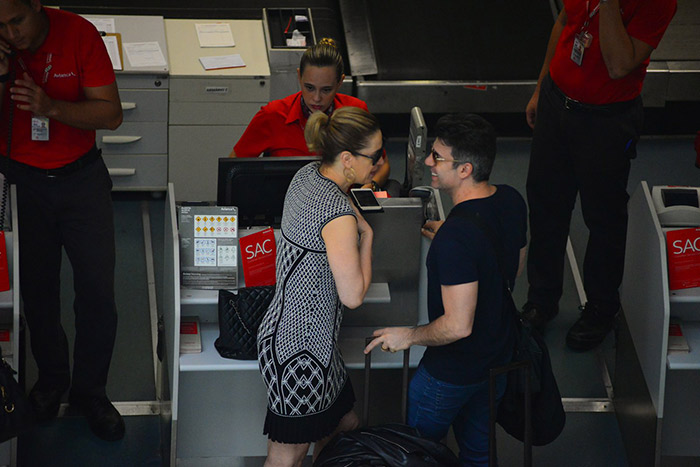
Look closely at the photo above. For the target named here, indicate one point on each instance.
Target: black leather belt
(608, 109)
(88, 158)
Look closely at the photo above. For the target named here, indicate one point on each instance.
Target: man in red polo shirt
(587, 116)
(57, 86)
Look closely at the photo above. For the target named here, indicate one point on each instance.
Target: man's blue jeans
(434, 406)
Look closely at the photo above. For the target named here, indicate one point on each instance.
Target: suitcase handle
(404, 385)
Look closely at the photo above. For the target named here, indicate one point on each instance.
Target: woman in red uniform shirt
(278, 128)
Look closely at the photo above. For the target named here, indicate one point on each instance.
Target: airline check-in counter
(219, 405)
(657, 401)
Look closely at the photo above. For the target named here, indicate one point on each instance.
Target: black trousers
(72, 212)
(587, 152)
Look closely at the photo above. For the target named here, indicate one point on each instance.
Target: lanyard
(45, 78)
(589, 16)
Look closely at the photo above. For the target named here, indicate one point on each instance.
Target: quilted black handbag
(240, 314)
(16, 415)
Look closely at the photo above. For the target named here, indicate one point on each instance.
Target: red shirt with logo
(278, 127)
(645, 20)
(72, 57)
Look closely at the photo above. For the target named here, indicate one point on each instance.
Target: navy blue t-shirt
(461, 253)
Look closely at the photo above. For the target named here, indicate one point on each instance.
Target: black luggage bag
(390, 445)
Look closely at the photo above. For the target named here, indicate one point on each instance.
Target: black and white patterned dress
(308, 388)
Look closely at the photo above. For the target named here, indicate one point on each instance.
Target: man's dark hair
(471, 139)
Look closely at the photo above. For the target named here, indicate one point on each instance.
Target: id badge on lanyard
(40, 123)
(584, 38)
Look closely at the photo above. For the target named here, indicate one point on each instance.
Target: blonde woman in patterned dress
(324, 256)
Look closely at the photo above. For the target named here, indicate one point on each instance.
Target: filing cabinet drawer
(213, 113)
(138, 172)
(220, 89)
(141, 105)
(135, 138)
(138, 81)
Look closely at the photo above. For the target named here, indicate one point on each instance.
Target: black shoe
(591, 328)
(539, 315)
(104, 420)
(45, 402)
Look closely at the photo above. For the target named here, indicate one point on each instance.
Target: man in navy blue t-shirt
(469, 331)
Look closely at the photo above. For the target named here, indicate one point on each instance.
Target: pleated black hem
(310, 428)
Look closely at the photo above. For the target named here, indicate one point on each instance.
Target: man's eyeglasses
(374, 157)
(438, 158)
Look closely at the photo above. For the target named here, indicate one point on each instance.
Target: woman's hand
(362, 225)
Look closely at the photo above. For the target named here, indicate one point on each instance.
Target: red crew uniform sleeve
(95, 66)
(651, 20)
(256, 137)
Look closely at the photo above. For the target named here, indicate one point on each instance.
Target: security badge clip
(40, 128)
(581, 42)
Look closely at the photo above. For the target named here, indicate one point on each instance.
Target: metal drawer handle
(122, 172)
(128, 105)
(119, 139)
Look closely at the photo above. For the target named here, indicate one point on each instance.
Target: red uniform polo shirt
(278, 128)
(77, 58)
(645, 20)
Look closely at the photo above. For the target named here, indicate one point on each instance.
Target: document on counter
(103, 24)
(214, 35)
(141, 54)
(221, 62)
(112, 45)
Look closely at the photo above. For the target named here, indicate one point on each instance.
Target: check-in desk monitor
(257, 186)
(677, 206)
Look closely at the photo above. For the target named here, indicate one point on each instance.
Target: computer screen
(257, 186)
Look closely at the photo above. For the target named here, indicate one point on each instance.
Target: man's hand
(392, 339)
(430, 228)
(31, 96)
(531, 109)
(5, 52)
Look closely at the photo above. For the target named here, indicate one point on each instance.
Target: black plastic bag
(390, 445)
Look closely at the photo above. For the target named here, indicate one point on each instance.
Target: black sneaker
(539, 315)
(591, 328)
(45, 402)
(102, 417)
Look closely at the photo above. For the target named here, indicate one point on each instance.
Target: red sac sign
(258, 255)
(683, 249)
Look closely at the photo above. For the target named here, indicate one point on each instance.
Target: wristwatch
(375, 186)
(5, 78)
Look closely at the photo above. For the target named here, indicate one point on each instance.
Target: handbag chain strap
(238, 315)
